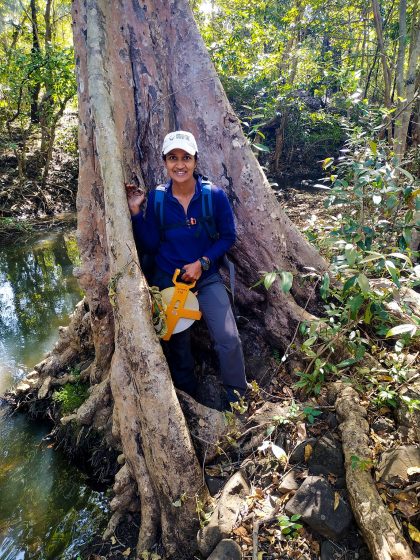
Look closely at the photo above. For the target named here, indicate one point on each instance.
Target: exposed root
(75, 341)
(98, 399)
(206, 426)
(381, 534)
(112, 525)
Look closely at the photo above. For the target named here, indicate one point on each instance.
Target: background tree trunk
(382, 53)
(406, 81)
(36, 49)
(142, 71)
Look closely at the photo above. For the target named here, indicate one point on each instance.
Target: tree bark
(36, 49)
(382, 52)
(406, 82)
(142, 71)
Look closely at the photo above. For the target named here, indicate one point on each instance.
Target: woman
(178, 237)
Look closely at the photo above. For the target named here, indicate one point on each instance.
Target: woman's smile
(180, 166)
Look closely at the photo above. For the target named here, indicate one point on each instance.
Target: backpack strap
(207, 220)
(160, 192)
(207, 210)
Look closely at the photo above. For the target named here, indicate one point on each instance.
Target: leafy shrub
(71, 396)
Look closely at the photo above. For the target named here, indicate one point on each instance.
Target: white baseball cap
(180, 139)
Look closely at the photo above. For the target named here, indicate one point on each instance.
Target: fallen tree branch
(378, 527)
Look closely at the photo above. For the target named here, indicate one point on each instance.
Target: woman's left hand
(192, 272)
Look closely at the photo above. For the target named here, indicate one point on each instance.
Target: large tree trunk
(142, 71)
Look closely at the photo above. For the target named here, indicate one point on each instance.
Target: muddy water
(47, 511)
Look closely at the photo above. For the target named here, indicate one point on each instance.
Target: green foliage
(12, 225)
(311, 413)
(360, 464)
(71, 396)
(37, 79)
(289, 527)
(268, 278)
(368, 246)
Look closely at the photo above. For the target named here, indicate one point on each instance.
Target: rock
(121, 459)
(332, 420)
(314, 501)
(226, 550)
(225, 515)
(288, 483)
(409, 420)
(383, 425)
(393, 464)
(214, 484)
(327, 457)
(265, 414)
(298, 453)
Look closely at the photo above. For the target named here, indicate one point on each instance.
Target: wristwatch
(205, 263)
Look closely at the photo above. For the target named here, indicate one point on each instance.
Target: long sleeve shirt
(184, 239)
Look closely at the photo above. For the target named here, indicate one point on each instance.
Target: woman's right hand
(135, 198)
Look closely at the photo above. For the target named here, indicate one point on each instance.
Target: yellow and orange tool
(181, 306)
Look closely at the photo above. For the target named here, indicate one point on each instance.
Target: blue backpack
(206, 220)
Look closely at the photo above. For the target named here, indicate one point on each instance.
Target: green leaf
(406, 173)
(363, 283)
(355, 303)
(295, 517)
(402, 257)
(393, 271)
(270, 430)
(374, 147)
(309, 342)
(325, 286)
(402, 329)
(286, 281)
(367, 318)
(407, 234)
(391, 202)
(351, 254)
(269, 279)
(347, 363)
(372, 257)
(349, 283)
(261, 147)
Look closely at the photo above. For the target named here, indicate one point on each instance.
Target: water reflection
(37, 293)
(46, 509)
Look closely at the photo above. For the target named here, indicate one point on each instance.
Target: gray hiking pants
(217, 313)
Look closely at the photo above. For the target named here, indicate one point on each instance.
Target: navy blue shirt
(183, 245)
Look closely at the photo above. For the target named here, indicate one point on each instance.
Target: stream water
(47, 511)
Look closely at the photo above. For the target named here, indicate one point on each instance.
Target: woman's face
(180, 166)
